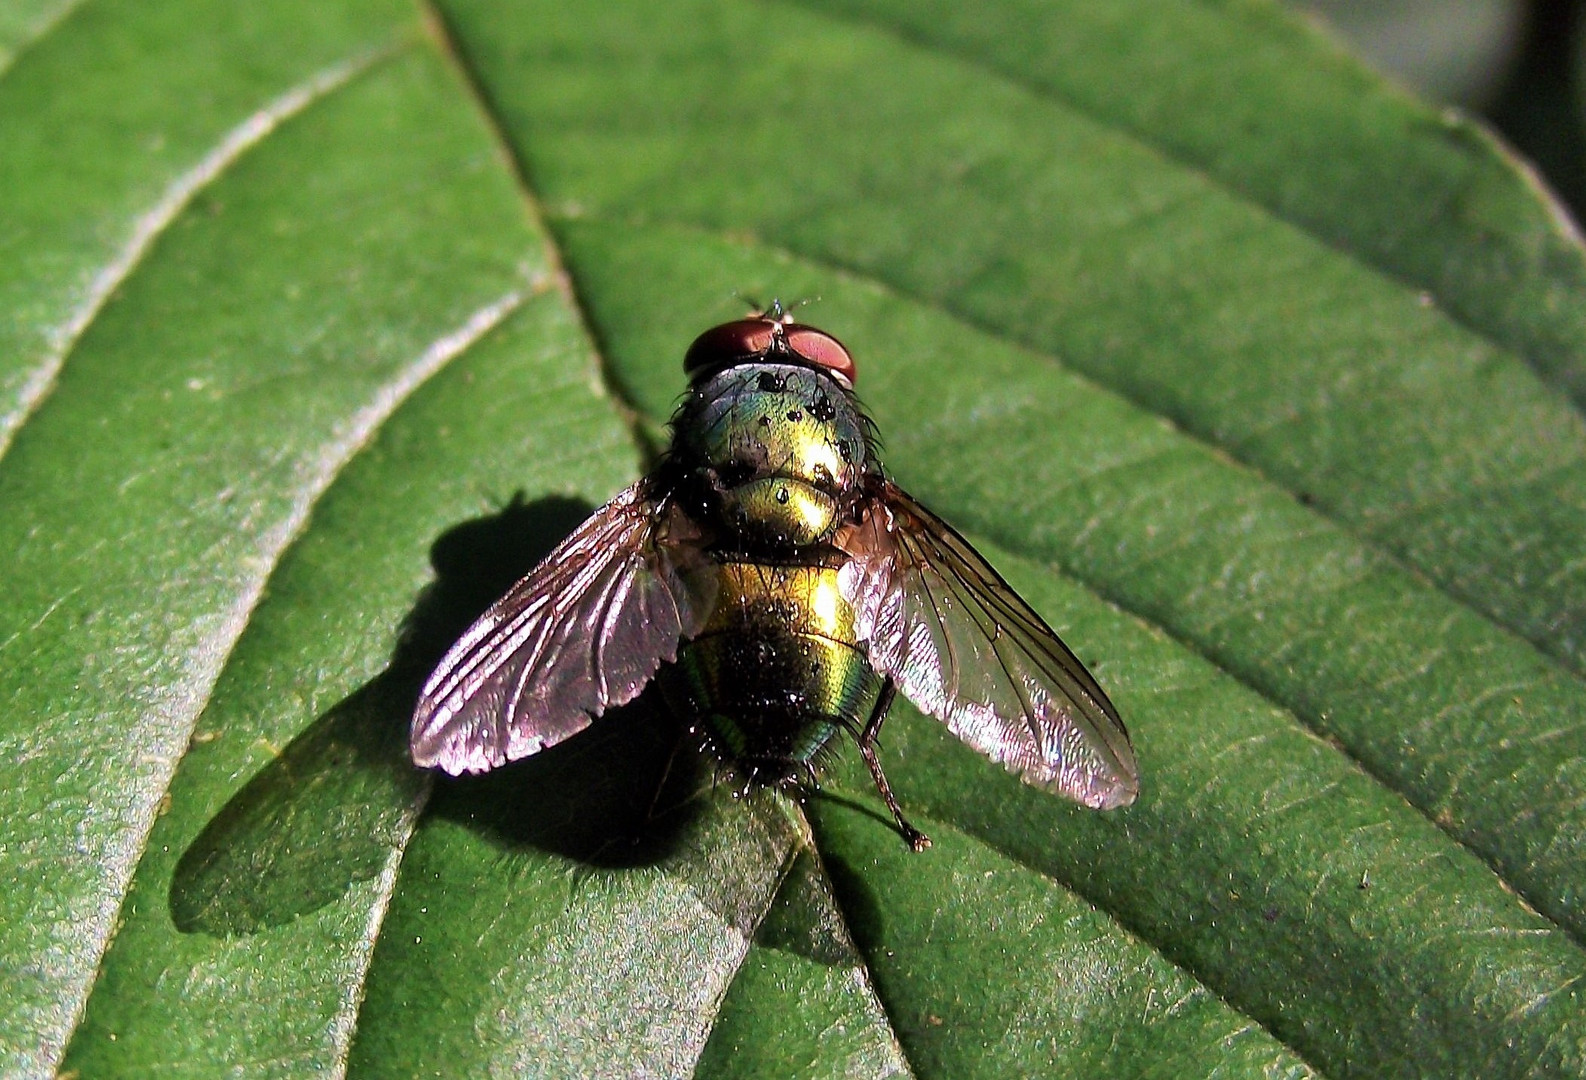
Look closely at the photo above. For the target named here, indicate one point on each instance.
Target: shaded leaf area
(277, 323)
(1030, 217)
(112, 114)
(578, 914)
(1242, 860)
(267, 876)
(1261, 103)
(328, 812)
(990, 970)
(802, 1003)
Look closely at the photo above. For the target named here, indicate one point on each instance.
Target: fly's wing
(583, 632)
(964, 648)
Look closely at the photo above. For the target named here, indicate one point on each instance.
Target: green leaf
(802, 1003)
(1244, 857)
(322, 323)
(24, 21)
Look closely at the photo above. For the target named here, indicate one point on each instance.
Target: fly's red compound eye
(730, 343)
(821, 349)
(751, 339)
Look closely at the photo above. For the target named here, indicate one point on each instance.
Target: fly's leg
(666, 774)
(867, 750)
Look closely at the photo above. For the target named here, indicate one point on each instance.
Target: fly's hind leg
(867, 750)
(666, 774)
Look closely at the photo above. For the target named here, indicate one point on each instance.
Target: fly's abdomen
(776, 670)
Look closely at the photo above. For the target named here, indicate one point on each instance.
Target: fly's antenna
(775, 311)
(781, 314)
(756, 308)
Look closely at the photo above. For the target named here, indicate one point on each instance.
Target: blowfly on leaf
(780, 588)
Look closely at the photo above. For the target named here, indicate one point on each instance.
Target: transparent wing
(583, 632)
(964, 648)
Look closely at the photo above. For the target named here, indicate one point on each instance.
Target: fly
(780, 588)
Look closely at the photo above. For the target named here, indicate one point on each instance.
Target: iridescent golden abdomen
(791, 599)
(776, 669)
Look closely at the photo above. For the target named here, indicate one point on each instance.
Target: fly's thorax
(776, 453)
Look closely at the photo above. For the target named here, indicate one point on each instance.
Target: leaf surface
(323, 322)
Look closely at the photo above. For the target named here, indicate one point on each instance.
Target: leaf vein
(1192, 165)
(1133, 931)
(152, 223)
(1022, 547)
(605, 379)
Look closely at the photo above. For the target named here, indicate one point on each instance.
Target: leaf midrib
(632, 417)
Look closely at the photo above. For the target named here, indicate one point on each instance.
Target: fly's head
(770, 437)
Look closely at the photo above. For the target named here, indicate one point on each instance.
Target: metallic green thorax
(771, 460)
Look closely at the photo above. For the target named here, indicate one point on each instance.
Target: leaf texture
(1261, 382)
